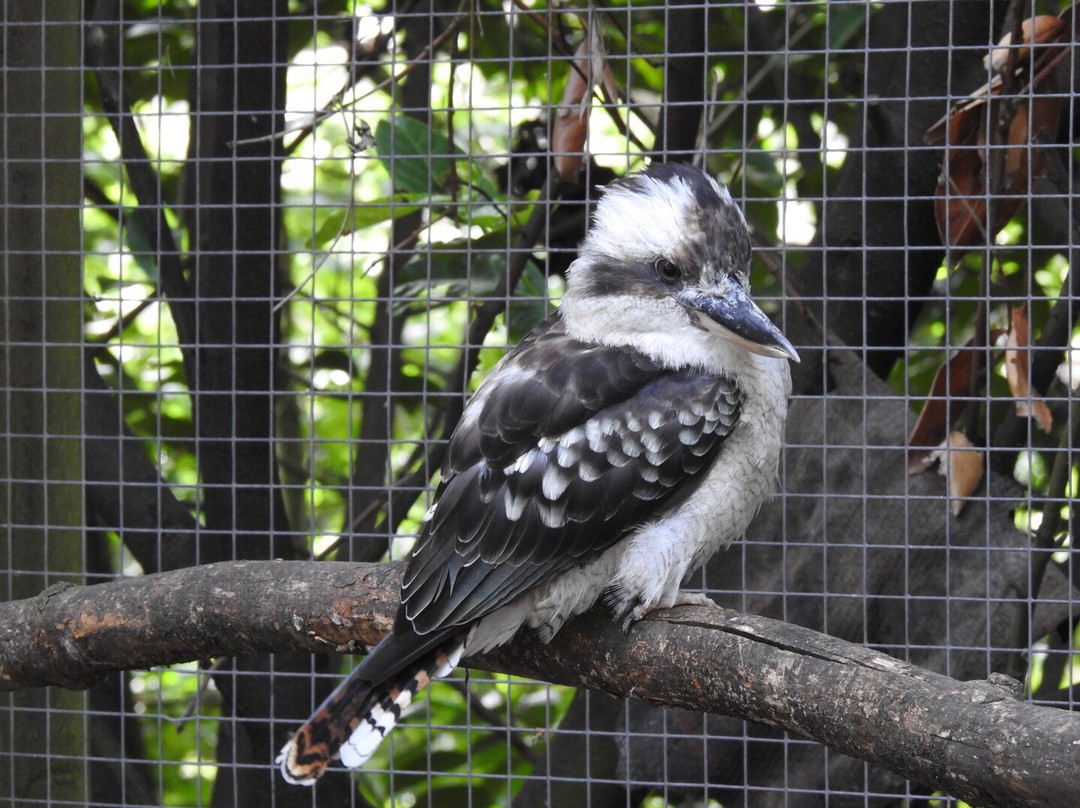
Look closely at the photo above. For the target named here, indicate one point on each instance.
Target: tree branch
(368, 478)
(124, 489)
(973, 740)
(103, 54)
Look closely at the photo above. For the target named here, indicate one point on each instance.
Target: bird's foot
(633, 616)
(693, 599)
(681, 599)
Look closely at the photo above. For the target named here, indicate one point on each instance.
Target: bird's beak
(741, 321)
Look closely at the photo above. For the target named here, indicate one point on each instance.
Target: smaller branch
(1043, 543)
(1064, 315)
(93, 193)
(337, 102)
(124, 489)
(1045, 536)
(493, 719)
(144, 184)
(1065, 312)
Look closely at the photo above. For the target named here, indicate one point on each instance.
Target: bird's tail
(358, 715)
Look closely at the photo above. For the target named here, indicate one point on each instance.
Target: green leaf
(475, 264)
(364, 215)
(417, 158)
(846, 23)
(412, 153)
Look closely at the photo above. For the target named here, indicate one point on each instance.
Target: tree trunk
(234, 181)
(40, 368)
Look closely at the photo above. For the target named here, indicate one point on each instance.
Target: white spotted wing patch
(514, 505)
(556, 480)
(655, 440)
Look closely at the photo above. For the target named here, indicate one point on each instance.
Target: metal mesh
(256, 256)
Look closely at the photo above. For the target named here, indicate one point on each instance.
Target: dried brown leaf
(570, 129)
(1054, 49)
(943, 406)
(1046, 28)
(960, 204)
(961, 464)
(1029, 404)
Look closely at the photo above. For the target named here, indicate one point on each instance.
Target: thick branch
(973, 740)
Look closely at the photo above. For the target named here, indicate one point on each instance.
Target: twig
(495, 721)
(1000, 110)
(777, 58)
(337, 103)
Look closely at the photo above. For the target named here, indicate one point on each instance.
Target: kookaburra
(626, 439)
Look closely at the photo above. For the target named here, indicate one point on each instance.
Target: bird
(609, 454)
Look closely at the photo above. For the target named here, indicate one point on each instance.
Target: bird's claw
(681, 599)
(693, 599)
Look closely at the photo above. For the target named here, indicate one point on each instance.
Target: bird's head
(668, 256)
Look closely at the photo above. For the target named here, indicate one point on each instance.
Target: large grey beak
(741, 321)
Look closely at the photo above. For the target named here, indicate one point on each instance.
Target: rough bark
(234, 180)
(239, 95)
(974, 740)
(42, 735)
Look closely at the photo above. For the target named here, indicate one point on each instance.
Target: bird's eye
(667, 271)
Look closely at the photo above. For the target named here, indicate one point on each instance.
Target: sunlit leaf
(412, 153)
(377, 211)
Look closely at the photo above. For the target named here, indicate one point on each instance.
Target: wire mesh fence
(257, 256)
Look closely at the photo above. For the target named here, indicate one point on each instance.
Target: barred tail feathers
(382, 716)
(357, 716)
(311, 748)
